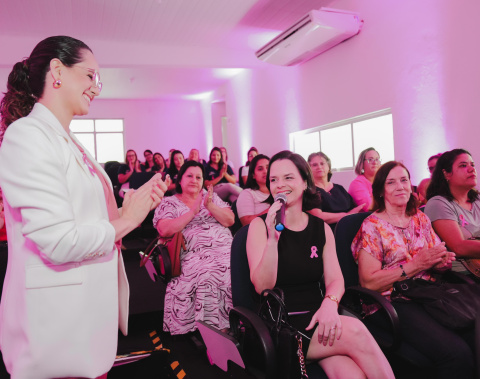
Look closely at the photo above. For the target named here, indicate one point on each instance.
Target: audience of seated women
(176, 162)
(397, 242)
(361, 187)
(203, 290)
(220, 175)
(297, 260)
(336, 201)
(243, 171)
(159, 165)
(453, 203)
(251, 202)
(423, 185)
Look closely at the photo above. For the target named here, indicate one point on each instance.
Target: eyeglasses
(373, 160)
(95, 77)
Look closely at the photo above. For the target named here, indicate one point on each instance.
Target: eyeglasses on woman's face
(94, 77)
(373, 160)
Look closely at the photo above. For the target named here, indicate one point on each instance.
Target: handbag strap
(273, 301)
(149, 250)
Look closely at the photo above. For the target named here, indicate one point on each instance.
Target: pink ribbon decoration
(314, 252)
(463, 222)
(89, 165)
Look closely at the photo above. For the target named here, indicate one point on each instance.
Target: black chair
(258, 352)
(237, 224)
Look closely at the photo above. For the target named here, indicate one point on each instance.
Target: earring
(57, 84)
(362, 171)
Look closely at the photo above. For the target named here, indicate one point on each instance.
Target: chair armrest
(356, 296)
(243, 320)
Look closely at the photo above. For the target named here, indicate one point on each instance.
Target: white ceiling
(153, 49)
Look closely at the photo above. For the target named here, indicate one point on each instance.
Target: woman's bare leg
(356, 343)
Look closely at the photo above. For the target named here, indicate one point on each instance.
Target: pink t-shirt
(361, 191)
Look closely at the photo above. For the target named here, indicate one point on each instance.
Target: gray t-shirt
(439, 208)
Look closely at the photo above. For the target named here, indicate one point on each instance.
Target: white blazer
(59, 312)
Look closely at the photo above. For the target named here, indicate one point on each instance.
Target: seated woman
(148, 155)
(250, 203)
(243, 171)
(453, 203)
(220, 175)
(132, 165)
(423, 185)
(176, 162)
(397, 242)
(194, 155)
(203, 290)
(298, 260)
(336, 201)
(159, 165)
(361, 187)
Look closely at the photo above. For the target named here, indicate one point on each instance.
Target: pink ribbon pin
(314, 252)
(463, 222)
(89, 165)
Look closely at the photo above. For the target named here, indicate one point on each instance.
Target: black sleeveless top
(300, 266)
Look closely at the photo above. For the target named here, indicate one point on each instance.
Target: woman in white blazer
(65, 291)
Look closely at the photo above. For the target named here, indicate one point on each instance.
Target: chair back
(345, 232)
(243, 291)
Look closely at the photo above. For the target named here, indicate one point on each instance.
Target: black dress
(336, 201)
(300, 273)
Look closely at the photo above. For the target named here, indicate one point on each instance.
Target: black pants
(451, 352)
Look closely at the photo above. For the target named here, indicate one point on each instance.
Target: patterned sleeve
(427, 230)
(369, 239)
(165, 210)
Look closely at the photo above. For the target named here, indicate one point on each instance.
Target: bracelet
(333, 298)
(404, 274)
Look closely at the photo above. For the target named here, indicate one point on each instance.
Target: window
(103, 138)
(343, 141)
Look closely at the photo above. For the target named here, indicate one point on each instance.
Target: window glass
(109, 126)
(110, 147)
(336, 143)
(377, 133)
(305, 144)
(81, 126)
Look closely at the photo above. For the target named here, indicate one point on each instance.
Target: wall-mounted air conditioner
(316, 32)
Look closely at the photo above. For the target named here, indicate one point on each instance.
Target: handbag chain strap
(301, 358)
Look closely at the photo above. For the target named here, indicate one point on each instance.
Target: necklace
(401, 226)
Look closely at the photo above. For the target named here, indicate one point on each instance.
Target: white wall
(159, 125)
(418, 58)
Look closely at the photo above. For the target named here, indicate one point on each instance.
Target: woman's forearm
(122, 178)
(224, 216)
(168, 227)
(329, 218)
(230, 178)
(265, 274)
(213, 182)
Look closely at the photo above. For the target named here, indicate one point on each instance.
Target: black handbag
(286, 339)
(454, 305)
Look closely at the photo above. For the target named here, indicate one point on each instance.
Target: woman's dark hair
(311, 198)
(324, 156)
(439, 185)
(249, 151)
(163, 159)
(172, 170)
(221, 162)
(126, 154)
(361, 160)
(26, 81)
(378, 188)
(185, 167)
(251, 182)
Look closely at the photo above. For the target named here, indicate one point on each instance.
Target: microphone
(280, 217)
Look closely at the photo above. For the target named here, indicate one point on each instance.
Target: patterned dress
(203, 290)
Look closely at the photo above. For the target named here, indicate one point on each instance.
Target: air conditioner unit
(315, 33)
